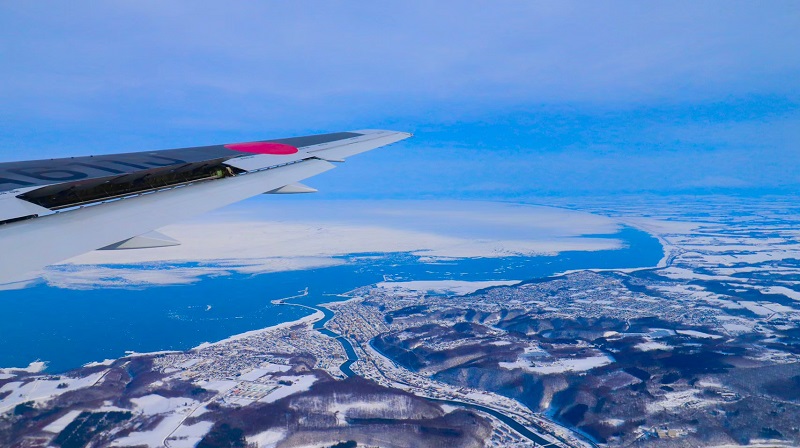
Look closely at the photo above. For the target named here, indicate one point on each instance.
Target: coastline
(308, 320)
(34, 367)
(333, 299)
(39, 367)
(670, 252)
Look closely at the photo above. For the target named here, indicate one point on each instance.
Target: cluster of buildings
(362, 323)
(232, 358)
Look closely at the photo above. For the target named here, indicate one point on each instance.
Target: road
(352, 357)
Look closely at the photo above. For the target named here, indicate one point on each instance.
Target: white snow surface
(175, 410)
(188, 436)
(154, 404)
(264, 369)
(615, 422)
(343, 410)
(154, 437)
(253, 374)
(652, 345)
(448, 408)
(268, 438)
(59, 425)
(307, 320)
(791, 293)
(105, 362)
(264, 235)
(43, 389)
(560, 365)
(82, 277)
(274, 368)
(191, 362)
(34, 367)
(444, 286)
(679, 399)
(218, 385)
(697, 334)
(299, 384)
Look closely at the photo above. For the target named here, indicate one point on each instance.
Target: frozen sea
(67, 328)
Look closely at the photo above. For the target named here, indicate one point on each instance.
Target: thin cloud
(595, 81)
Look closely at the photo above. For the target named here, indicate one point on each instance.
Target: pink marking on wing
(278, 149)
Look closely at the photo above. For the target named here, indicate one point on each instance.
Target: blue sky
(507, 99)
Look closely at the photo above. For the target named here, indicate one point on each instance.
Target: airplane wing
(51, 210)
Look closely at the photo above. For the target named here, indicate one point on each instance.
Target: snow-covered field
(679, 399)
(559, 365)
(791, 293)
(267, 439)
(652, 345)
(188, 436)
(299, 384)
(175, 411)
(156, 404)
(59, 425)
(154, 437)
(697, 334)
(43, 389)
(255, 374)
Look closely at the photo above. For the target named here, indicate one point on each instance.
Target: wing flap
(13, 208)
(264, 161)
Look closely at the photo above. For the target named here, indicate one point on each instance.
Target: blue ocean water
(68, 328)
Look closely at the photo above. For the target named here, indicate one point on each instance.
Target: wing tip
(387, 132)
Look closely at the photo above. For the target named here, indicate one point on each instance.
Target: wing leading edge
(56, 209)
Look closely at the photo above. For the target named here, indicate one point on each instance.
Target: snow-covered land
(559, 365)
(41, 389)
(443, 286)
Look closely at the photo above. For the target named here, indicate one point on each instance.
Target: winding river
(352, 357)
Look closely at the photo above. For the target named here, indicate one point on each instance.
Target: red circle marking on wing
(278, 149)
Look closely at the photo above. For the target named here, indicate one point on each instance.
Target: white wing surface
(56, 209)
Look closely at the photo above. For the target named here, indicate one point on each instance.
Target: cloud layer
(526, 97)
